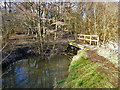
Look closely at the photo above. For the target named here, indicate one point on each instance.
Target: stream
(36, 73)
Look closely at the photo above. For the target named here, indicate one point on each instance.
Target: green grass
(84, 74)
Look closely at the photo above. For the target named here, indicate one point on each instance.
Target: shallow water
(36, 73)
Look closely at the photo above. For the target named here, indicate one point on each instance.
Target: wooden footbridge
(84, 38)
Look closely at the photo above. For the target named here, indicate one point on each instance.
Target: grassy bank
(85, 73)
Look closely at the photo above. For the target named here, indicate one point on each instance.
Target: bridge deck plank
(79, 45)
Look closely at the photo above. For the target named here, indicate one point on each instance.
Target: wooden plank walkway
(76, 44)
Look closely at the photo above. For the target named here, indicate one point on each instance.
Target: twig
(6, 57)
(3, 47)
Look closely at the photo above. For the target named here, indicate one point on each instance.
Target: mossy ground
(85, 73)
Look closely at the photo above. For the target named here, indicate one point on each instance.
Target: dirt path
(105, 66)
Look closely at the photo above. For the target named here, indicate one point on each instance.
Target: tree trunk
(5, 6)
(10, 7)
(39, 29)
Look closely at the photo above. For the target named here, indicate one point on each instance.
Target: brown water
(36, 73)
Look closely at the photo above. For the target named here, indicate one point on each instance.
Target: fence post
(84, 38)
(90, 39)
(97, 40)
(78, 37)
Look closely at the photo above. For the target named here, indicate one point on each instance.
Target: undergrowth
(110, 55)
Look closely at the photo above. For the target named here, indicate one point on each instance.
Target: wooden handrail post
(90, 39)
(97, 40)
(84, 38)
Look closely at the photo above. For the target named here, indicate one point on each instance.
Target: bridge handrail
(88, 35)
(97, 37)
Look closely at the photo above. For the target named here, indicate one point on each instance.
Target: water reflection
(36, 73)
